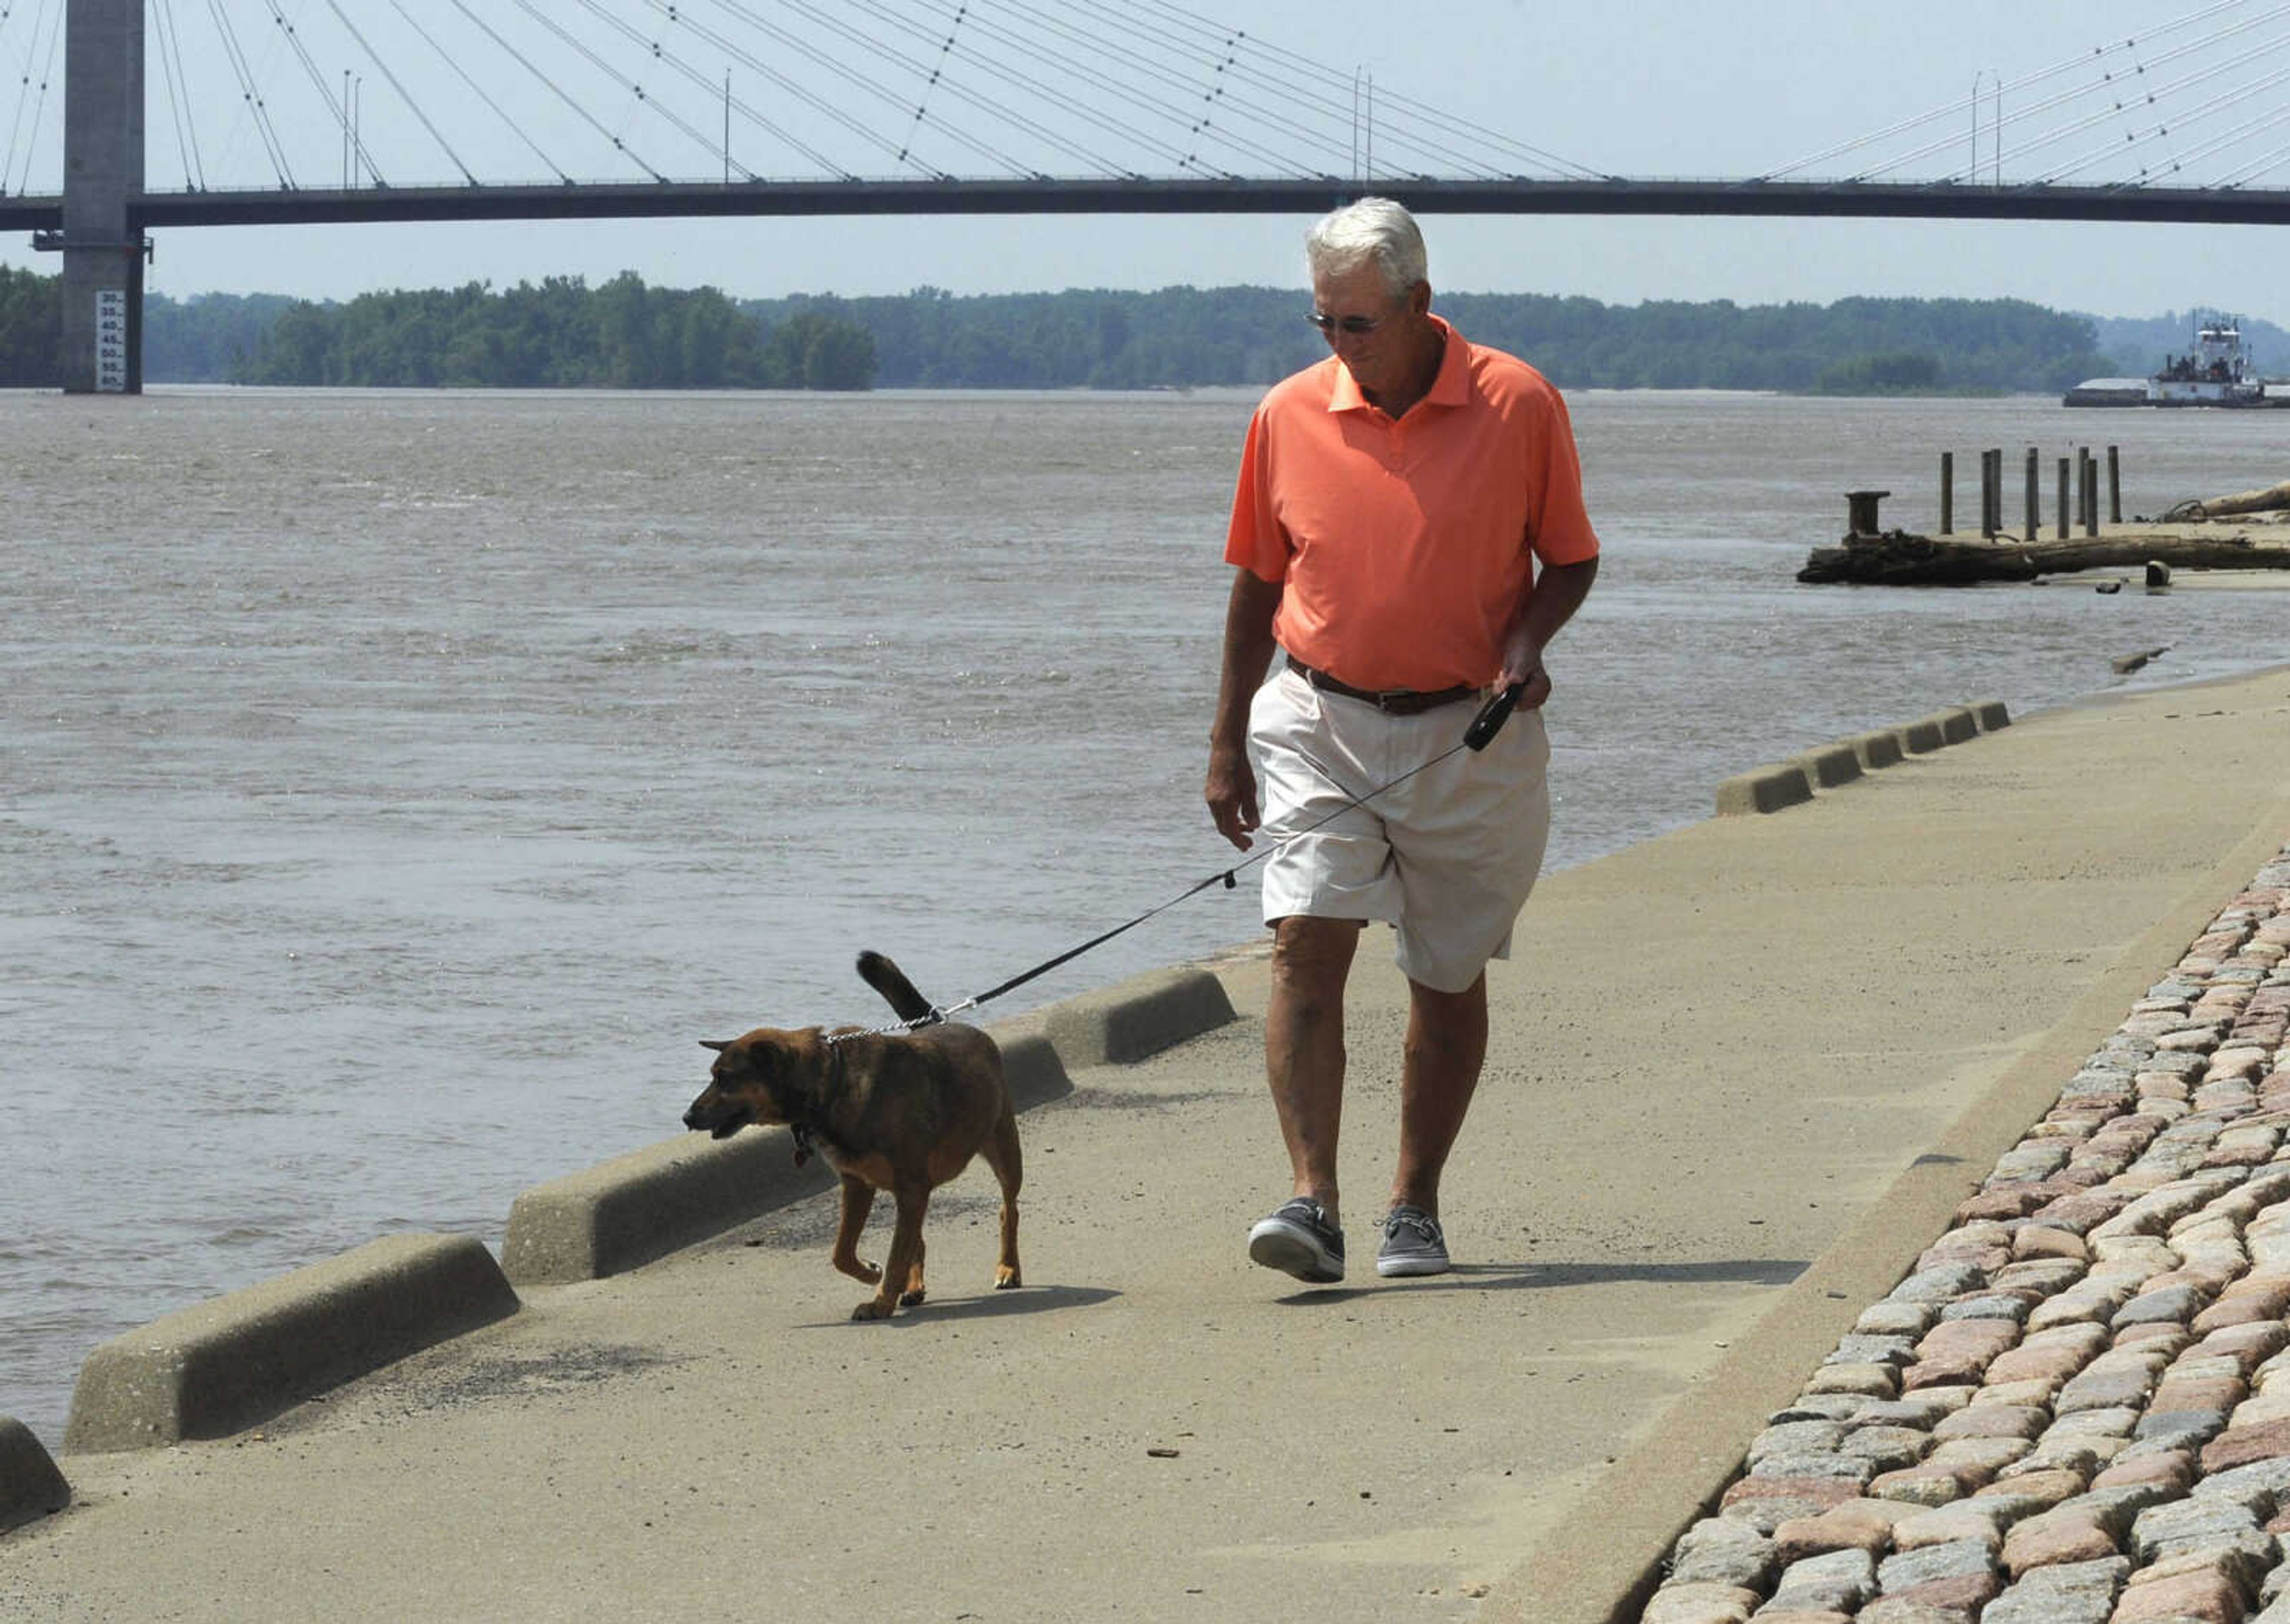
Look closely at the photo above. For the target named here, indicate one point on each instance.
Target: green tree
(31, 329)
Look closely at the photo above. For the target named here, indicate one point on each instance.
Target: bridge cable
(2227, 138)
(796, 44)
(1049, 92)
(477, 90)
(556, 89)
(630, 85)
(604, 67)
(2139, 70)
(801, 93)
(2062, 132)
(770, 126)
(960, 12)
(992, 108)
(251, 94)
(25, 101)
(1225, 66)
(179, 97)
(660, 52)
(1339, 84)
(1133, 66)
(7, 163)
(31, 125)
(340, 110)
(2075, 126)
(2161, 131)
(1952, 109)
(2263, 164)
(1318, 92)
(404, 94)
(2201, 110)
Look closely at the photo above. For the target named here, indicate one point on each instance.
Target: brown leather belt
(1391, 702)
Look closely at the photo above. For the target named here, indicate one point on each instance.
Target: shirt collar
(1451, 388)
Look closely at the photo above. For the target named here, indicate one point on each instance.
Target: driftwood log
(1898, 558)
(2242, 502)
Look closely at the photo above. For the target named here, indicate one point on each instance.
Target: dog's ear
(710, 1042)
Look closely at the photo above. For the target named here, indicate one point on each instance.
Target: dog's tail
(885, 977)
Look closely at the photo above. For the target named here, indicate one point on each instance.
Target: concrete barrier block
(1829, 766)
(30, 1485)
(224, 1365)
(1875, 750)
(1137, 1018)
(1990, 714)
(1957, 725)
(1919, 738)
(1767, 789)
(619, 1214)
(1030, 1061)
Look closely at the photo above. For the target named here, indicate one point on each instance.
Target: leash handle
(1491, 715)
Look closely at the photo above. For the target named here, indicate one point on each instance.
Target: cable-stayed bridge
(131, 116)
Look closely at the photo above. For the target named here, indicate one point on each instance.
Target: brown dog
(903, 1112)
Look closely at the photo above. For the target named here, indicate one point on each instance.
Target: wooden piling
(2063, 517)
(1947, 493)
(2114, 487)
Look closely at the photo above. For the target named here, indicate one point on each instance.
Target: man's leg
(1446, 1044)
(1304, 1045)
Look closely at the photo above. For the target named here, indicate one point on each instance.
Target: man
(1392, 505)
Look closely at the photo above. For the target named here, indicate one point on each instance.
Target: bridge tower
(103, 178)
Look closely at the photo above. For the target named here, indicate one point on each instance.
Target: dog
(903, 1112)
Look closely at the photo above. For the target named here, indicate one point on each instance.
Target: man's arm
(1248, 645)
(1558, 592)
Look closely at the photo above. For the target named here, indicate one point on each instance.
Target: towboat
(2216, 372)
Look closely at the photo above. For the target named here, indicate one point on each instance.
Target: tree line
(562, 333)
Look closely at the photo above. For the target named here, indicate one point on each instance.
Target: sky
(1630, 87)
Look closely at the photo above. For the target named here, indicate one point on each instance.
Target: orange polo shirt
(1405, 546)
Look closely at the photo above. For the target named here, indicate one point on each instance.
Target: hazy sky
(1633, 87)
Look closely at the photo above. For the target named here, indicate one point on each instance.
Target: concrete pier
(103, 175)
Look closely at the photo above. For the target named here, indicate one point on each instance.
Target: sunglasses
(1351, 326)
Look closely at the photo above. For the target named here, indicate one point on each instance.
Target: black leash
(1483, 729)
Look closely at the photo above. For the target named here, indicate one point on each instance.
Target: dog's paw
(1005, 1278)
(909, 1298)
(874, 1308)
(859, 1269)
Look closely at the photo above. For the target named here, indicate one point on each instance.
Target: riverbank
(1743, 1073)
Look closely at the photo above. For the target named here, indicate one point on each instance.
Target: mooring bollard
(1861, 512)
(2063, 500)
(2114, 487)
(1946, 493)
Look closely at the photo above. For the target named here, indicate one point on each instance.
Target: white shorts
(1448, 856)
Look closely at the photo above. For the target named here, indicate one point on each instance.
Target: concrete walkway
(1741, 1076)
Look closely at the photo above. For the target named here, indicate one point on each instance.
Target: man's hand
(1523, 664)
(1231, 793)
(1558, 592)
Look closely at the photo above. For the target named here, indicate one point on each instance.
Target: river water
(394, 786)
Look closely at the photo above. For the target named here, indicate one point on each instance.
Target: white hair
(1373, 230)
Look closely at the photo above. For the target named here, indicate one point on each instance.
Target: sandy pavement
(1740, 1075)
